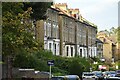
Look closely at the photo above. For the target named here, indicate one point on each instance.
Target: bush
(76, 67)
(25, 60)
(62, 65)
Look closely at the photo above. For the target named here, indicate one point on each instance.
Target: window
(80, 52)
(54, 30)
(55, 48)
(71, 51)
(49, 28)
(67, 50)
(104, 40)
(45, 28)
(57, 31)
(50, 46)
(85, 52)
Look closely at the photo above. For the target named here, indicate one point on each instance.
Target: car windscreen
(57, 78)
(99, 74)
(112, 72)
(118, 71)
(88, 74)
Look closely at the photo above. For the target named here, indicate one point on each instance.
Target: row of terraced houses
(67, 33)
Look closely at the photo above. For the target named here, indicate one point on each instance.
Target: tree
(106, 32)
(113, 31)
(16, 33)
(10, 30)
(25, 60)
(17, 26)
(63, 64)
(76, 67)
(118, 34)
(39, 9)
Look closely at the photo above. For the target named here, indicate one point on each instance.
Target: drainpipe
(87, 41)
(76, 38)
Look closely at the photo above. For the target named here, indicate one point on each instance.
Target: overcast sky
(104, 13)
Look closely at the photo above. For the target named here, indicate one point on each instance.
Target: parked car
(112, 73)
(72, 77)
(99, 75)
(89, 75)
(113, 78)
(106, 74)
(66, 77)
(117, 73)
(58, 78)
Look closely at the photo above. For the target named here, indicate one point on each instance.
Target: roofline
(78, 20)
(54, 9)
(84, 22)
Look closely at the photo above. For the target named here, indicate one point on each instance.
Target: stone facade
(109, 47)
(65, 34)
(47, 32)
(99, 49)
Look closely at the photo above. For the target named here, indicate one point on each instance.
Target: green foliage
(25, 60)
(58, 72)
(86, 64)
(76, 67)
(44, 54)
(95, 67)
(11, 7)
(18, 41)
(18, 38)
(95, 59)
(62, 63)
(38, 61)
(72, 65)
(112, 69)
(16, 35)
(113, 31)
(118, 34)
(39, 9)
(118, 63)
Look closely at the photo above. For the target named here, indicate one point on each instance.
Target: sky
(104, 13)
